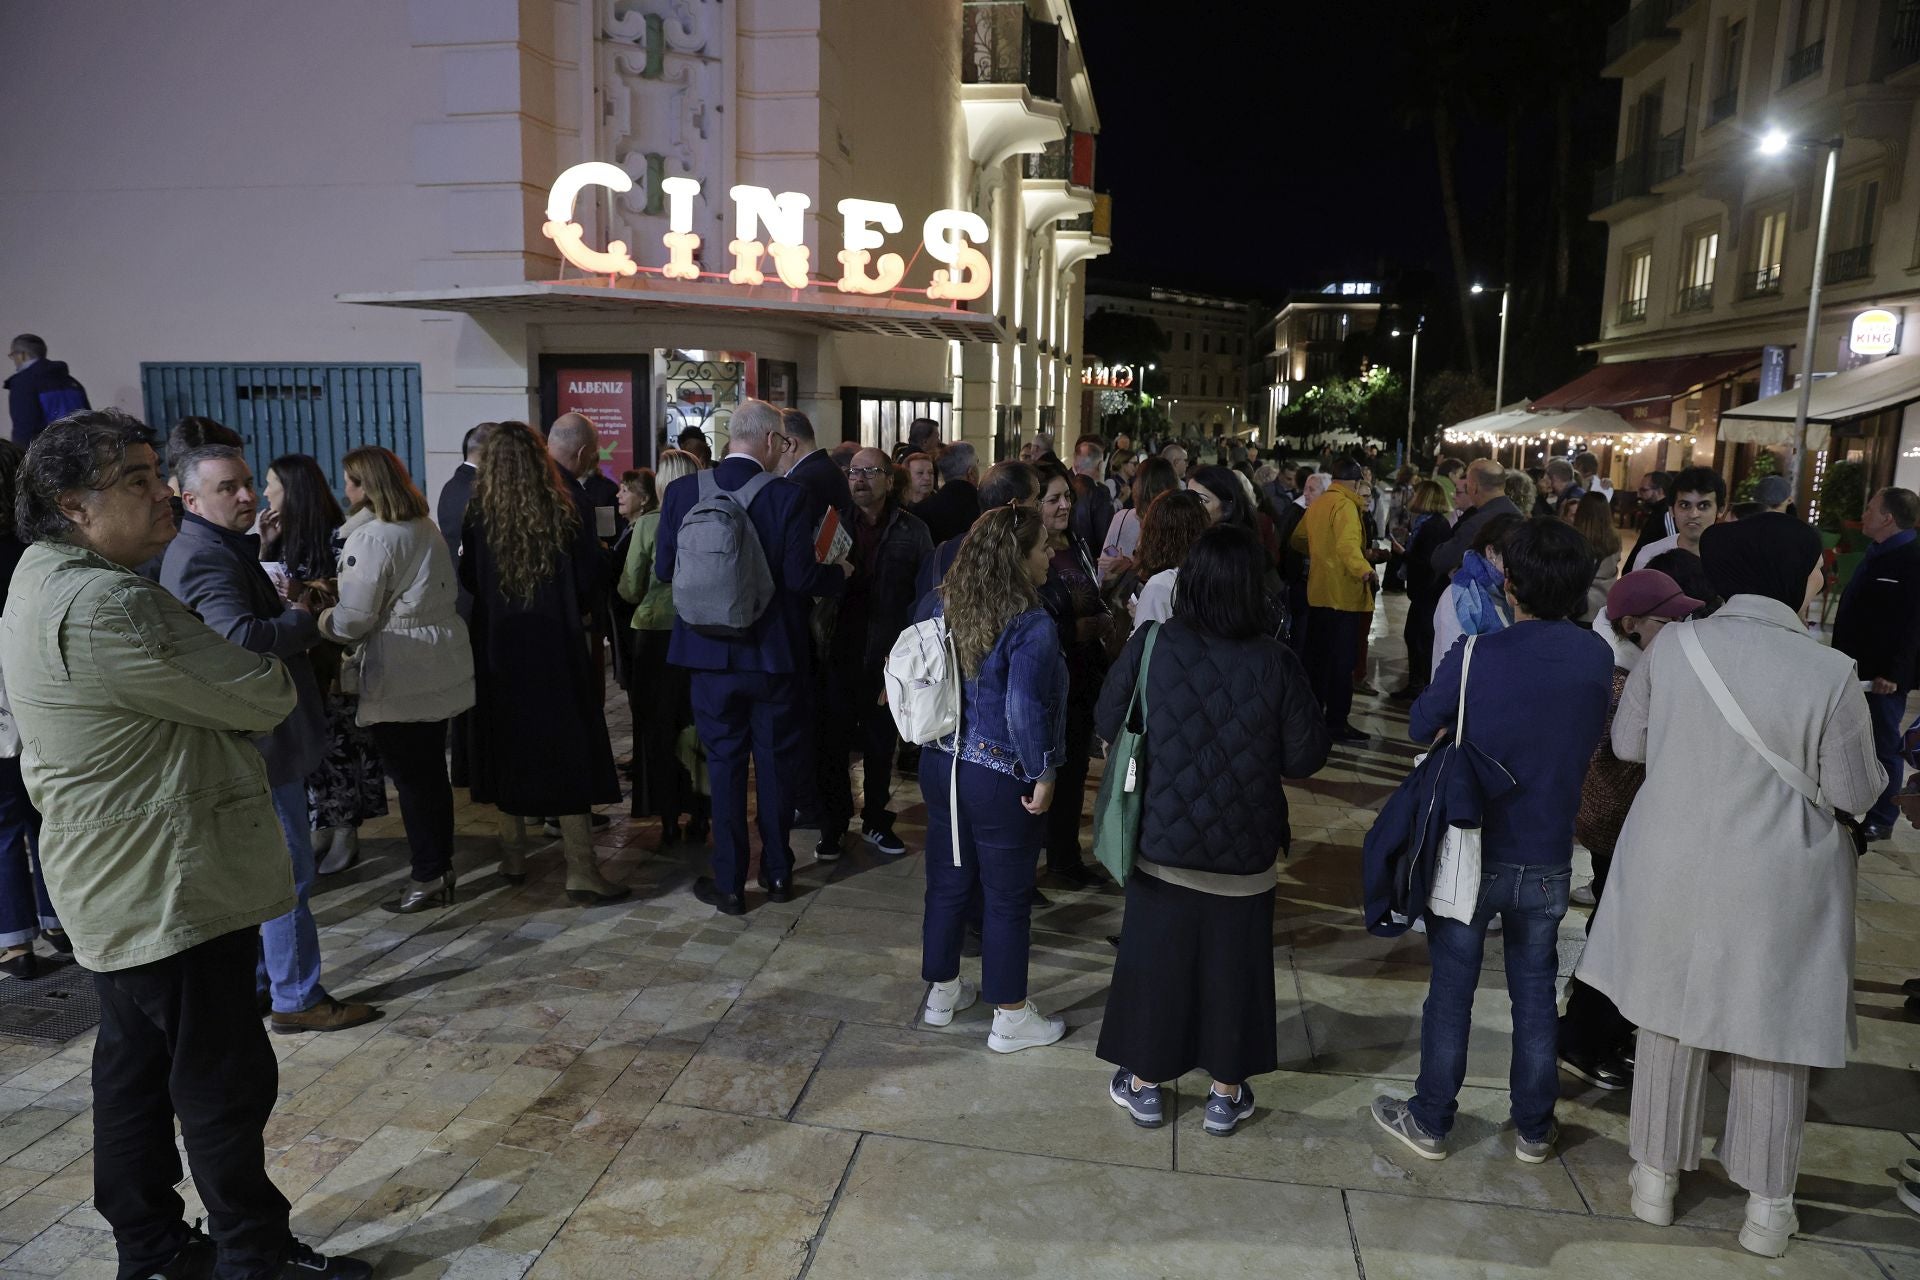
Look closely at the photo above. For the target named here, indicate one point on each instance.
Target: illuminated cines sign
(948, 235)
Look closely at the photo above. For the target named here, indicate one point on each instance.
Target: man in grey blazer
(213, 567)
(1481, 487)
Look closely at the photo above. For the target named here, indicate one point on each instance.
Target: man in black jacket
(450, 513)
(888, 546)
(1485, 498)
(40, 389)
(955, 505)
(1878, 626)
(1655, 494)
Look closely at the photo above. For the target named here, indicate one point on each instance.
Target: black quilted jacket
(1227, 720)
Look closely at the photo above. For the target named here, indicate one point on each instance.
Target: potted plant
(1843, 495)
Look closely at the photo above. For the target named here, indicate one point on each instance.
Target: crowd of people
(212, 680)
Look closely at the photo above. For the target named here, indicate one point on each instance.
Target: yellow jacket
(1330, 534)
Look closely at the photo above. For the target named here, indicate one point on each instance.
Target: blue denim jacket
(1013, 715)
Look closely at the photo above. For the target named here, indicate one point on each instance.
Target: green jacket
(651, 597)
(157, 831)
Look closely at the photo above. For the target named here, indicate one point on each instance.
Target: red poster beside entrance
(603, 397)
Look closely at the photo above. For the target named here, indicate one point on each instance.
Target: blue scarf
(1481, 601)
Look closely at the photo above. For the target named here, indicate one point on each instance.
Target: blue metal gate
(324, 410)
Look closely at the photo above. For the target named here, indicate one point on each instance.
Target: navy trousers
(999, 842)
(1889, 711)
(741, 716)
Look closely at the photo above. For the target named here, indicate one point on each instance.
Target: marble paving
(650, 1090)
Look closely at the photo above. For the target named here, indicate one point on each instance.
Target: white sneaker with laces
(1653, 1193)
(944, 999)
(1023, 1028)
(1769, 1225)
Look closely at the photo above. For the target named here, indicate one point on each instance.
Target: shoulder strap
(1460, 713)
(747, 492)
(1140, 680)
(707, 483)
(1790, 773)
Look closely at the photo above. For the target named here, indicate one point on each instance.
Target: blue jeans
(1887, 711)
(23, 891)
(290, 944)
(1530, 901)
(999, 843)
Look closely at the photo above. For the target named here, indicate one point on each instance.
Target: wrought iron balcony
(1850, 264)
(1905, 42)
(1000, 43)
(1622, 180)
(1697, 297)
(1723, 106)
(1802, 63)
(1764, 282)
(1632, 311)
(1068, 159)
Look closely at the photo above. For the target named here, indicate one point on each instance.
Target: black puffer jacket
(1227, 720)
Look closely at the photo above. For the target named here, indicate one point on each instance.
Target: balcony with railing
(1804, 62)
(1903, 44)
(1723, 107)
(1625, 179)
(1764, 282)
(1697, 297)
(1057, 181)
(1632, 311)
(1850, 264)
(1087, 236)
(1010, 72)
(1642, 35)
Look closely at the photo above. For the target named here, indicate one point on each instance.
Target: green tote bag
(1123, 788)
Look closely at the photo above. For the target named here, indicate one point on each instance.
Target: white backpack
(923, 693)
(923, 682)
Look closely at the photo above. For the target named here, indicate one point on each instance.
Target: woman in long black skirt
(1228, 717)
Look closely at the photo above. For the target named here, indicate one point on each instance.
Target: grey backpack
(721, 581)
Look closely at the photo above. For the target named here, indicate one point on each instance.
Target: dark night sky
(1289, 120)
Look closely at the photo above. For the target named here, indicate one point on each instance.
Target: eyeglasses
(780, 440)
(868, 472)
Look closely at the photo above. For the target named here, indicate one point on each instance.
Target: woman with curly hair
(1012, 737)
(1174, 523)
(539, 738)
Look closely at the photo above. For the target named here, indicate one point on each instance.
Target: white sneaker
(1023, 1028)
(1582, 895)
(1769, 1224)
(1653, 1193)
(1910, 1169)
(944, 999)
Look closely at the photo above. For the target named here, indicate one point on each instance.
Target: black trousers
(1592, 1024)
(458, 749)
(1333, 646)
(414, 756)
(1070, 788)
(852, 718)
(181, 1037)
(658, 695)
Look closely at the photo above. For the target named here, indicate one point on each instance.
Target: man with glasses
(888, 546)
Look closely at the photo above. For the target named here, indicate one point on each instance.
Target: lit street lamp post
(1413, 374)
(1500, 373)
(1776, 143)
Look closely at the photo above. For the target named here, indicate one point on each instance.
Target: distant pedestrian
(1878, 626)
(1340, 589)
(40, 390)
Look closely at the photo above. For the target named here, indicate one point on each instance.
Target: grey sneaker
(1225, 1114)
(1146, 1103)
(1392, 1115)
(1536, 1152)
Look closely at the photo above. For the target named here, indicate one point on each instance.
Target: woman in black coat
(1425, 585)
(539, 731)
(1229, 717)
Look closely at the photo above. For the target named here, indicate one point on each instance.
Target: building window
(1186, 384)
(1186, 340)
(1769, 240)
(1856, 214)
(1726, 100)
(1697, 268)
(1636, 281)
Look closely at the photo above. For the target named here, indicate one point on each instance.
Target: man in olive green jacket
(160, 848)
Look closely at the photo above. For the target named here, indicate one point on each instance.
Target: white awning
(1516, 423)
(1857, 393)
(1488, 424)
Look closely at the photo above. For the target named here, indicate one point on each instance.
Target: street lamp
(1500, 374)
(1776, 142)
(1413, 373)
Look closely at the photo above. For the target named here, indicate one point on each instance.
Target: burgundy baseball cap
(1649, 593)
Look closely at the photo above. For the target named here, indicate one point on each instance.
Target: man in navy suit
(1878, 626)
(804, 462)
(749, 693)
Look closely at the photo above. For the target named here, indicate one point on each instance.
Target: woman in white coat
(1727, 924)
(415, 663)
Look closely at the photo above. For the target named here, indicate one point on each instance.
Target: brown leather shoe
(328, 1015)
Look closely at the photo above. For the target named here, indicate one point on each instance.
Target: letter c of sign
(568, 236)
